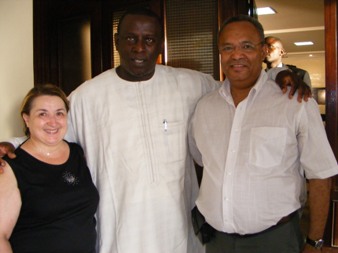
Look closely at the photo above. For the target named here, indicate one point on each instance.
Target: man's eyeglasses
(246, 47)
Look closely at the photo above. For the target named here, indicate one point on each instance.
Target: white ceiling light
(265, 11)
(303, 43)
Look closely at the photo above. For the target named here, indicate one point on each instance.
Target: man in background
(273, 59)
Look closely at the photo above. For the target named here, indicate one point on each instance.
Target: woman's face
(47, 120)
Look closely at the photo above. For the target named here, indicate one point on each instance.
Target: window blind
(191, 35)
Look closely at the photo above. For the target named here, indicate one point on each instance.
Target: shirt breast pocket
(267, 145)
(174, 140)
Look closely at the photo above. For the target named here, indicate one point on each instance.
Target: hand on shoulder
(6, 148)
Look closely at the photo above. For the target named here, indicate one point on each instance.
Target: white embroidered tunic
(134, 135)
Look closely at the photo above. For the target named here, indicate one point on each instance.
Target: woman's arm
(10, 205)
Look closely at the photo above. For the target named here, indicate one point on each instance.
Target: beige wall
(16, 62)
(314, 64)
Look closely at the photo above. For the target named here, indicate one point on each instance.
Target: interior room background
(17, 58)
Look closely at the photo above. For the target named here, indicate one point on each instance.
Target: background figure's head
(51, 96)
(139, 41)
(275, 51)
(242, 49)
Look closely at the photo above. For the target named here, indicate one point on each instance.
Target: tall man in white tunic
(132, 123)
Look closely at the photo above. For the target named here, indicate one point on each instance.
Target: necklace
(44, 152)
(47, 153)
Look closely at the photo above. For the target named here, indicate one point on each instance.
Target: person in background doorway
(47, 197)
(273, 59)
(254, 146)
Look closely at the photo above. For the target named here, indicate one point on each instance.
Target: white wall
(16, 62)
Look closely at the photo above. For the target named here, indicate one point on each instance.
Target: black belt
(286, 219)
(282, 221)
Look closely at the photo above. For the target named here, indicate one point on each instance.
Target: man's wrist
(318, 244)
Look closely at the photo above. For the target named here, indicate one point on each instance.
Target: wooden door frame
(331, 73)
(331, 86)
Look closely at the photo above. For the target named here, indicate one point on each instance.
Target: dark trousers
(282, 238)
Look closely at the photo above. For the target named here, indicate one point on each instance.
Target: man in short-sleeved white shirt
(254, 147)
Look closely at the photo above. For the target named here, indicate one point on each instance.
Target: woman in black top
(47, 197)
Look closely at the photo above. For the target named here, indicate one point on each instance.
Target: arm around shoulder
(10, 205)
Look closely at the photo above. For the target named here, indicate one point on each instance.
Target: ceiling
(295, 20)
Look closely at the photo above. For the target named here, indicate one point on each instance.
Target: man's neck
(131, 77)
(238, 95)
(273, 64)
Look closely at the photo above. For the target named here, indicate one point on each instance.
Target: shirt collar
(225, 88)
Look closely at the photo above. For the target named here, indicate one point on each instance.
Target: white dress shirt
(254, 155)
